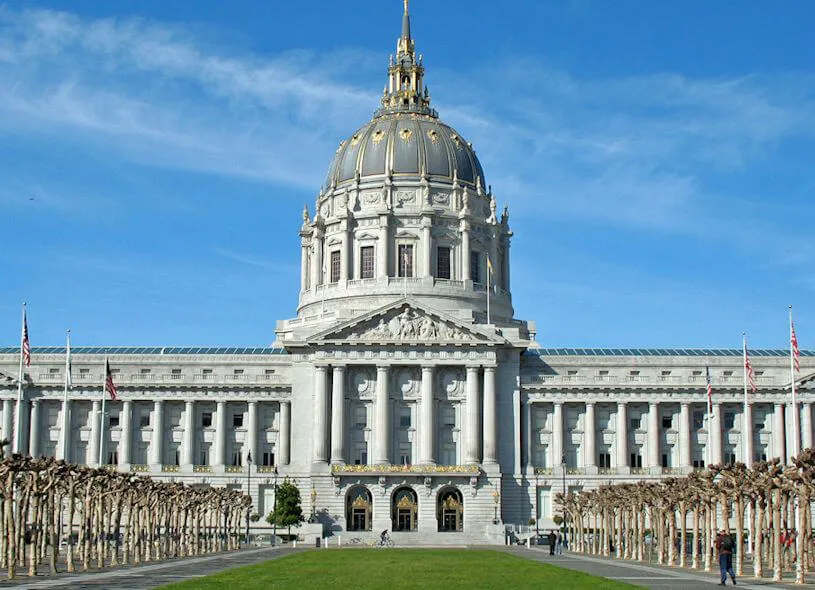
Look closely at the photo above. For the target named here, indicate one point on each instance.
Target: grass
(395, 569)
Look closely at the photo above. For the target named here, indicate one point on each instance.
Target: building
(401, 396)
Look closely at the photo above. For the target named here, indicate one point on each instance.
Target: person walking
(559, 544)
(552, 540)
(724, 545)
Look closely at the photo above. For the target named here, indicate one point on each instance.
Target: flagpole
(795, 414)
(489, 276)
(66, 416)
(102, 414)
(744, 430)
(18, 410)
(709, 445)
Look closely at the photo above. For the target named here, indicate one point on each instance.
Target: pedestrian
(724, 544)
(559, 544)
(552, 540)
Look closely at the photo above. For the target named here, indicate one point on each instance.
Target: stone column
(507, 259)
(382, 423)
(126, 422)
(806, 426)
(304, 278)
(382, 248)
(684, 435)
(284, 439)
(525, 419)
(345, 250)
(465, 250)
(338, 416)
(653, 436)
(471, 448)
(427, 241)
(252, 431)
(64, 450)
(557, 435)
(590, 431)
(157, 440)
(622, 437)
(747, 435)
(317, 259)
(427, 455)
(778, 431)
(320, 433)
(220, 434)
(34, 429)
(490, 417)
(188, 458)
(92, 457)
(716, 435)
(8, 419)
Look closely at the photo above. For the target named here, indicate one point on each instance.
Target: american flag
(751, 376)
(26, 344)
(796, 353)
(110, 387)
(709, 389)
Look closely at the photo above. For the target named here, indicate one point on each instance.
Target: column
(684, 435)
(34, 430)
(516, 430)
(338, 416)
(526, 420)
(8, 419)
(252, 431)
(653, 435)
(188, 456)
(317, 259)
(490, 417)
(716, 435)
(427, 430)
(220, 434)
(92, 457)
(382, 422)
(589, 431)
(304, 278)
(382, 248)
(157, 440)
(471, 449)
(806, 426)
(63, 450)
(465, 251)
(622, 436)
(778, 431)
(320, 453)
(557, 435)
(427, 241)
(507, 259)
(747, 435)
(283, 433)
(125, 442)
(345, 249)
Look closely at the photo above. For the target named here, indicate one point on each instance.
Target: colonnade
(480, 442)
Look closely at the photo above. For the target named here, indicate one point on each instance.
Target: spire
(405, 91)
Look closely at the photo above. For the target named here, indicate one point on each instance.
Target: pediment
(407, 322)
(6, 379)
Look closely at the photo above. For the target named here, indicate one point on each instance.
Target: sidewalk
(645, 575)
(152, 574)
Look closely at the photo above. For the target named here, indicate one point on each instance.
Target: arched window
(404, 510)
(450, 511)
(358, 504)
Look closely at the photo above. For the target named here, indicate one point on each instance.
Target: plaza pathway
(151, 575)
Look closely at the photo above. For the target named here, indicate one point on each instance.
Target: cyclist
(383, 537)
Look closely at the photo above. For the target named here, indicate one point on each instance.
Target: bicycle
(385, 541)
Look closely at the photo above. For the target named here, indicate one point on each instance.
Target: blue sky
(656, 158)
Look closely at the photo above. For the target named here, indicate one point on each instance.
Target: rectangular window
(335, 266)
(697, 373)
(175, 371)
(667, 422)
(144, 371)
(203, 457)
(53, 371)
(113, 457)
(237, 372)
(144, 420)
(237, 420)
(636, 461)
(443, 270)
(405, 262)
(698, 463)
(366, 262)
(729, 458)
(634, 423)
(237, 458)
(206, 371)
(729, 420)
(268, 371)
(475, 267)
(206, 421)
(267, 459)
(665, 460)
(404, 420)
(114, 421)
(698, 420)
(604, 460)
(84, 371)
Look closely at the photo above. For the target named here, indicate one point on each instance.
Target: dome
(406, 144)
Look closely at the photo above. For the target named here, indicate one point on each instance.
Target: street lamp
(274, 510)
(248, 491)
(313, 503)
(563, 506)
(496, 498)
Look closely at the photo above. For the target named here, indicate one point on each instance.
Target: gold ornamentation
(405, 502)
(355, 140)
(434, 136)
(378, 136)
(361, 502)
(451, 503)
(466, 469)
(406, 134)
(456, 141)
(342, 144)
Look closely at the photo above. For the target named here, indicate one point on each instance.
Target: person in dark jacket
(724, 544)
(552, 540)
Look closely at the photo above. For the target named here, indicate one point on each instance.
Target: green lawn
(393, 569)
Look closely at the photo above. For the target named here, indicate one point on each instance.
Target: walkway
(641, 574)
(152, 574)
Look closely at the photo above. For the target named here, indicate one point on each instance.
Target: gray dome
(409, 144)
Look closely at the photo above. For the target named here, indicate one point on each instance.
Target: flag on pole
(68, 379)
(709, 389)
(751, 376)
(26, 346)
(110, 387)
(796, 352)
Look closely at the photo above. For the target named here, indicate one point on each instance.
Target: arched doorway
(358, 505)
(450, 511)
(404, 510)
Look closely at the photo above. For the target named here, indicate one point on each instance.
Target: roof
(717, 352)
(114, 350)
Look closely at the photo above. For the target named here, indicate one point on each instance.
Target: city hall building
(397, 397)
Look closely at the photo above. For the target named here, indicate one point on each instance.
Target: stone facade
(398, 397)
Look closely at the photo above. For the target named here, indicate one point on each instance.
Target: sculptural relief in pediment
(407, 325)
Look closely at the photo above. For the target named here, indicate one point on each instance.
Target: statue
(428, 330)
(306, 216)
(465, 200)
(492, 219)
(505, 215)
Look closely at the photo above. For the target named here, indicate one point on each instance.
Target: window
(697, 373)
(405, 262)
(404, 420)
(366, 262)
(636, 461)
(602, 373)
(175, 454)
(206, 421)
(237, 420)
(206, 371)
(115, 371)
(572, 372)
(443, 270)
(729, 458)
(634, 373)
(203, 457)
(604, 460)
(698, 420)
(175, 371)
(475, 267)
(665, 373)
(404, 459)
(269, 372)
(267, 460)
(237, 458)
(237, 372)
(728, 373)
(667, 422)
(114, 421)
(361, 458)
(759, 456)
(144, 371)
(665, 462)
(635, 422)
(84, 371)
(113, 457)
(53, 371)
(698, 463)
(144, 419)
(729, 419)
(758, 373)
(335, 266)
